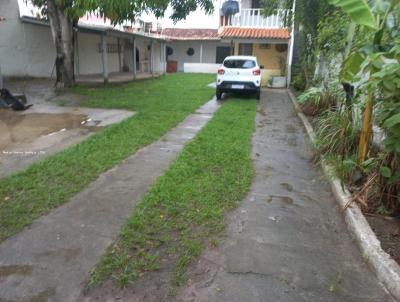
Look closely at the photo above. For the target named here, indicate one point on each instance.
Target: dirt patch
(387, 229)
(9, 270)
(24, 128)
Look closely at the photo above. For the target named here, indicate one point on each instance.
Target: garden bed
(377, 235)
(386, 228)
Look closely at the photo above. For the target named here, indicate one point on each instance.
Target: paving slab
(288, 240)
(45, 129)
(50, 260)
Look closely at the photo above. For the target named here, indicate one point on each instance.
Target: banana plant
(379, 18)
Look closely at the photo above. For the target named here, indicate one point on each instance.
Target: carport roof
(91, 28)
(255, 33)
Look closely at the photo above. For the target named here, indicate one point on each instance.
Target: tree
(63, 16)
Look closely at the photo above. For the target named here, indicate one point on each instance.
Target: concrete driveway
(287, 241)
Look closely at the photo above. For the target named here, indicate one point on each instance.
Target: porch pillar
(1, 79)
(165, 58)
(201, 53)
(152, 58)
(161, 58)
(77, 71)
(119, 54)
(134, 57)
(104, 57)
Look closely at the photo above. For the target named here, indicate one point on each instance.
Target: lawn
(184, 210)
(160, 104)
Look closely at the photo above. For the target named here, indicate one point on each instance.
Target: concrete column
(134, 57)
(165, 58)
(104, 57)
(77, 71)
(152, 58)
(290, 49)
(1, 79)
(119, 54)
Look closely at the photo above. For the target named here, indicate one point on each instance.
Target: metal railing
(253, 18)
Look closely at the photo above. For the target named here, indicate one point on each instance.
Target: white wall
(28, 50)
(201, 67)
(246, 4)
(159, 64)
(25, 49)
(90, 58)
(180, 48)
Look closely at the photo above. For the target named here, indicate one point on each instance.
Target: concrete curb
(386, 269)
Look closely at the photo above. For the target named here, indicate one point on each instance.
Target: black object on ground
(17, 103)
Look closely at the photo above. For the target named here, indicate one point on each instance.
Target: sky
(197, 19)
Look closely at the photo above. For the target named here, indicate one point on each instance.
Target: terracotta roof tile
(255, 33)
(190, 34)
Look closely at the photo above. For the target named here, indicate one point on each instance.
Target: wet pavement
(44, 129)
(288, 240)
(51, 259)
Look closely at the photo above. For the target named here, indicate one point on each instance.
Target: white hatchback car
(239, 74)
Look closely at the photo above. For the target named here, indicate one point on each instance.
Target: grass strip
(184, 209)
(160, 104)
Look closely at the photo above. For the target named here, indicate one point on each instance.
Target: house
(242, 30)
(193, 49)
(102, 51)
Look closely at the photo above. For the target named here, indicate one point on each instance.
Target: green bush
(336, 134)
(316, 100)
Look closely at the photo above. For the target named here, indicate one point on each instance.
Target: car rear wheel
(219, 94)
(258, 94)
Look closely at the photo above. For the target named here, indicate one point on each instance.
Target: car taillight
(257, 72)
(221, 71)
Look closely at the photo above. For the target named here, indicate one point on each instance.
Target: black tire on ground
(219, 95)
(258, 94)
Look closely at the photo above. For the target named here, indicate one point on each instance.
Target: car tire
(219, 95)
(258, 94)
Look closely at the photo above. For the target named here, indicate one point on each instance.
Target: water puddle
(284, 199)
(25, 128)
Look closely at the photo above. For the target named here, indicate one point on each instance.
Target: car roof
(241, 58)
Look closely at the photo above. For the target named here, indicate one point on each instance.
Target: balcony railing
(254, 18)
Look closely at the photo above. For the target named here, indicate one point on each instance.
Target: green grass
(184, 209)
(160, 104)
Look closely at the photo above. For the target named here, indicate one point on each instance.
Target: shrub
(316, 100)
(336, 134)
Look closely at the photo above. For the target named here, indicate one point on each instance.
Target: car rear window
(242, 64)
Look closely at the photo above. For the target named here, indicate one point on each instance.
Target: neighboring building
(242, 31)
(27, 48)
(193, 49)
